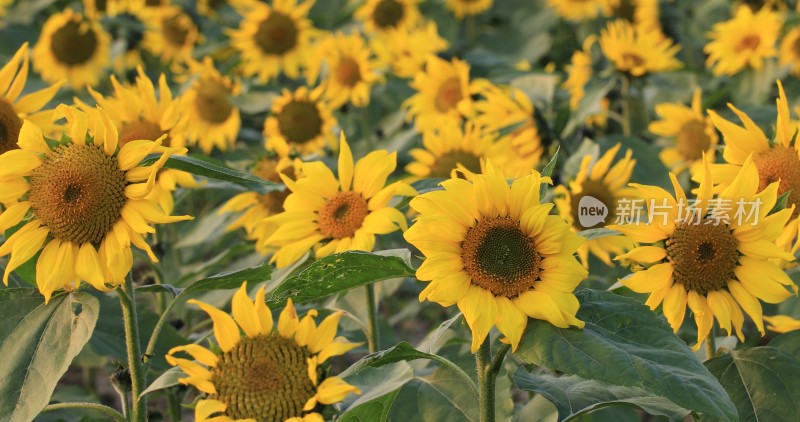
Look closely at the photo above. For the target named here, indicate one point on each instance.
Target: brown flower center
(212, 102)
(73, 44)
(277, 34)
(10, 124)
(597, 190)
(449, 94)
(348, 73)
(499, 257)
(780, 163)
(388, 14)
(138, 130)
(300, 121)
(750, 42)
(267, 170)
(342, 215)
(78, 193)
(632, 60)
(703, 255)
(264, 378)
(449, 161)
(625, 9)
(692, 140)
(175, 32)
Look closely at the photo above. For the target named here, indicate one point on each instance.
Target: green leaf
(626, 344)
(439, 397)
(574, 395)
(764, 382)
(166, 380)
(160, 288)
(339, 272)
(591, 234)
(547, 171)
(401, 352)
(37, 343)
(376, 410)
(212, 169)
(230, 280)
(780, 204)
(788, 342)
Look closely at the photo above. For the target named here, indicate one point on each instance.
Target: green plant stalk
(91, 406)
(151, 344)
(487, 369)
(373, 339)
(127, 298)
(711, 344)
(625, 91)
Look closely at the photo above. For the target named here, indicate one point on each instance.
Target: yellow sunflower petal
(225, 329)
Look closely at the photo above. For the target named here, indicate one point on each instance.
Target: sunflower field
(399, 210)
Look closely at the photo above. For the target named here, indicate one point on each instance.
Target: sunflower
(606, 183)
(274, 39)
(581, 10)
(453, 152)
(338, 215)
(463, 8)
(407, 49)
(210, 119)
(746, 40)
(781, 323)
(142, 114)
(692, 131)
(351, 70)
(257, 373)
(82, 203)
(383, 15)
(579, 72)
(300, 121)
(638, 50)
(789, 53)
(639, 12)
(210, 8)
(442, 89)
(508, 109)
(170, 33)
(71, 47)
(495, 252)
(716, 256)
(14, 109)
(778, 161)
(4, 6)
(255, 207)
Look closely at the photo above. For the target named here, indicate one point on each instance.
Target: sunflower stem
(487, 369)
(625, 91)
(711, 344)
(91, 406)
(366, 130)
(151, 344)
(373, 339)
(127, 299)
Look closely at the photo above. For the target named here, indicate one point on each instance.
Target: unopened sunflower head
(14, 107)
(598, 185)
(494, 251)
(264, 372)
(72, 47)
(337, 214)
(717, 255)
(82, 202)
